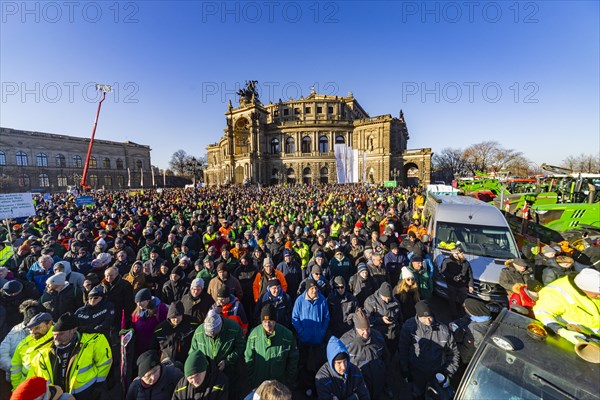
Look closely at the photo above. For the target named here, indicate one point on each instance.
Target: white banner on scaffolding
(346, 163)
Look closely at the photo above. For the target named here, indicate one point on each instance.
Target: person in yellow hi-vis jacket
(77, 362)
(570, 306)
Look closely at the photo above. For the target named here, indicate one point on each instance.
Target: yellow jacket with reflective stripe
(89, 363)
(561, 303)
(5, 254)
(25, 351)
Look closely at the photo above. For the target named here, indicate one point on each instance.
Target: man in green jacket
(222, 342)
(271, 351)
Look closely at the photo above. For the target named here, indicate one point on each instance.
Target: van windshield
(477, 240)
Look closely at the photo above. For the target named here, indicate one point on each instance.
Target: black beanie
(175, 309)
(146, 361)
(268, 313)
(66, 322)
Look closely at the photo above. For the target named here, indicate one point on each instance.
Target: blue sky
(525, 74)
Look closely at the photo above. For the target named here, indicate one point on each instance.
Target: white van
(483, 234)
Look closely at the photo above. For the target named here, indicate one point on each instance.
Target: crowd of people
(233, 293)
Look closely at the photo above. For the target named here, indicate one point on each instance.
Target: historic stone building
(293, 142)
(50, 162)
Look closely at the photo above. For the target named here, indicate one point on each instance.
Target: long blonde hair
(403, 290)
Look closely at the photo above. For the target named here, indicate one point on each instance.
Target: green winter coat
(274, 357)
(228, 345)
(424, 281)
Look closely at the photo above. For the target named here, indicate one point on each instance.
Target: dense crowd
(230, 292)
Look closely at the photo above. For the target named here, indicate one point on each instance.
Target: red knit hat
(30, 389)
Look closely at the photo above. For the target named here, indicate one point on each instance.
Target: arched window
(77, 162)
(340, 139)
(93, 162)
(61, 162)
(120, 180)
(290, 145)
(106, 163)
(139, 164)
(108, 181)
(306, 178)
(306, 144)
(323, 144)
(22, 160)
(324, 178)
(291, 175)
(275, 146)
(42, 160)
(2, 158)
(119, 163)
(24, 180)
(62, 181)
(44, 181)
(94, 181)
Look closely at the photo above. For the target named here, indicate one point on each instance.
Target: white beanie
(57, 279)
(407, 273)
(198, 282)
(589, 280)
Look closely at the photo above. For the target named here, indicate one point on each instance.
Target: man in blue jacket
(338, 378)
(310, 319)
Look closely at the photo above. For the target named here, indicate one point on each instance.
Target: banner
(16, 205)
(346, 163)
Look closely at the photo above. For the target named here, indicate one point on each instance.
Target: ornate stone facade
(294, 141)
(50, 162)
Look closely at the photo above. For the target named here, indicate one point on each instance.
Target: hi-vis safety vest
(561, 303)
(90, 362)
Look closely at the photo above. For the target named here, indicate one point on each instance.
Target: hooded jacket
(175, 341)
(74, 278)
(144, 325)
(162, 390)
(468, 335)
(509, 276)
(174, 290)
(120, 294)
(361, 288)
(9, 345)
(69, 299)
(330, 384)
(371, 356)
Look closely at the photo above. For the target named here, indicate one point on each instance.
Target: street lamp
(395, 173)
(104, 89)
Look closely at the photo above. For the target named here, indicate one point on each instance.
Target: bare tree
(479, 156)
(178, 162)
(582, 163)
(448, 164)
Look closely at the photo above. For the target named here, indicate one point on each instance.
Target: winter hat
(316, 269)
(143, 295)
(339, 281)
(31, 312)
(267, 261)
(178, 271)
(66, 322)
(287, 252)
(319, 254)
(38, 319)
(423, 309)
(213, 323)
(223, 292)
(273, 282)
(360, 319)
(519, 262)
(146, 361)
(12, 288)
(407, 273)
(30, 389)
(196, 362)
(198, 282)
(385, 289)
(393, 245)
(416, 258)
(57, 279)
(565, 261)
(534, 285)
(362, 267)
(476, 308)
(175, 309)
(268, 313)
(97, 291)
(589, 280)
(310, 283)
